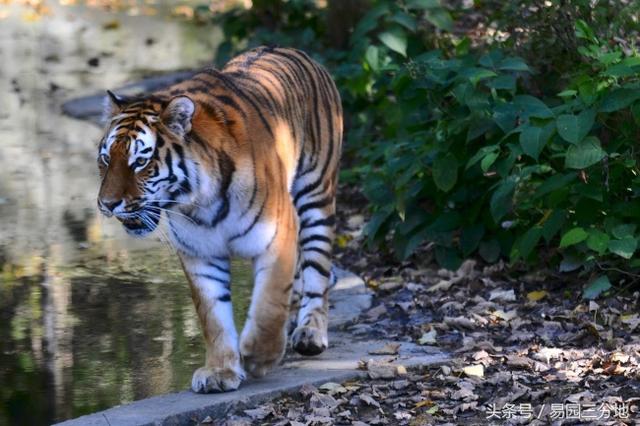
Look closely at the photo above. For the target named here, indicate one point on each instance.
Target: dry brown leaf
(388, 349)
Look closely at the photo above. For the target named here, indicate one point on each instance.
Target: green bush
(452, 149)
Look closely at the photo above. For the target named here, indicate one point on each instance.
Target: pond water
(89, 318)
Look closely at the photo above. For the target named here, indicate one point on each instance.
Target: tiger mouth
(141, 224)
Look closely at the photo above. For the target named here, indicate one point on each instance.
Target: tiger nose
(109, 205)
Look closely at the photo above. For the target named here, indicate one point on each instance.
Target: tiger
(240, 161)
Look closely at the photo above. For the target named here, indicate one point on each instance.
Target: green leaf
(529, 241)
(475, 74)
(440, 18)
(585, 154)
(513, 64)
(406, 20)
(445, 172)
(503, 82)
(505, 116)
(491, 59)
(377, 220)
(624, 247)
(501, 199)
(618, 99)
(553, 224)
(532, 107)
(488, 161)
(482, 152)
(489, 250)
(596, 287)
(395, 39)
(598, 241)
(574, 128)
(372, 58)
(619, 70)
(573, 236)
(448, 258)
(583, 31)
(423, 4)
(470, 238)
(533, 139)
(567, 93)
(624, 230)
(553, 183)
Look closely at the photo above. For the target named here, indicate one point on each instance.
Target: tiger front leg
(264, 337)
(210, 289)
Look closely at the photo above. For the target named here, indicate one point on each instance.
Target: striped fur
(240, 162)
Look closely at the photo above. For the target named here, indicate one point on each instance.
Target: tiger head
(142, 161)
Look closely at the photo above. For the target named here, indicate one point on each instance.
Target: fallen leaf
(368, 399)
(503, 295)
(632, 320)
(259, 413)
(388, 349)
(536, 296)
(333, 388)
(476, 370)
(506, 316)
(428, 338)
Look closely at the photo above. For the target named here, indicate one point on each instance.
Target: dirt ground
(525, 347)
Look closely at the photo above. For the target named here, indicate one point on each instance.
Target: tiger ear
(178, 114)
(113, 104)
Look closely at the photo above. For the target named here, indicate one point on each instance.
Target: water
(89, 318)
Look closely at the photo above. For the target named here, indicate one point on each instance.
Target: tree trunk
(342, 17)
(269, 12)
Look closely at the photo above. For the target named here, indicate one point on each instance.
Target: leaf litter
(516, 339)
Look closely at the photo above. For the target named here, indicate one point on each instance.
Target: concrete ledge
(337, 364)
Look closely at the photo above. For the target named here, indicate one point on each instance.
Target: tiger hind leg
(310, 336)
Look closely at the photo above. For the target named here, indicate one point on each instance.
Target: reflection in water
(89, 318)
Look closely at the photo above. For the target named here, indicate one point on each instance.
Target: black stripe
(226, 168)
(315, 265)
(253, 223)
(225, 298)
(230, 102)
(328, 221)
(220, 268)
(236, 90)
(315, 238)
(312, 294)
(212, 277)
(314, 205)
(307, 189)
(318, 250)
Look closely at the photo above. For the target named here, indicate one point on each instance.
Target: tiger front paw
(207, 379)
(261, 353)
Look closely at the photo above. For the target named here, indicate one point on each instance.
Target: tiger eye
(141, 162)
(104, 158)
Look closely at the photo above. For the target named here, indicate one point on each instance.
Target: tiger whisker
(172, 212)
(177, 202)
(164, 238)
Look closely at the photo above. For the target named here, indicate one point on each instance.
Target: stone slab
(339, 363)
